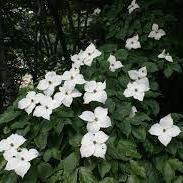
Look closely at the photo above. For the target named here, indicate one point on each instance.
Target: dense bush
(133, 154)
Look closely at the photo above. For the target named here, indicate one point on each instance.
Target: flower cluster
(43, 104)
(18, 159)
(139, 85)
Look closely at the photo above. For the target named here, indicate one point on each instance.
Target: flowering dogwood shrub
(97, 122)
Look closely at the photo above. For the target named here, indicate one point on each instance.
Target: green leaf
(51, 153)
(72, 178)
(110, 104)
(86, 176)
(70, 163)
(108, 47)
(133, 179)
(151, 67)
(139, 132)
(9, 177)
(127, 149)
(44, 170)
(122, 110)
(109, 180)
(103, 168)
(125, 127)
(63, 112)
(41, 140)
(168, 173)
(9, 115)
(137, 169)
(178, 179)
(168, 72)
(75, 141)
(121, 54)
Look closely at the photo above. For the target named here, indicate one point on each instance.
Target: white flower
(19, 160)
(145, 82)
(156, 33)
(133, 6)
(96, 11)
(46, 108)
(133, 111)
(94, 144)
(73, 77)
(78, 59)
(165, 130)
(114, 64)
(48, 84)
(138, 74)
(12, 142)
(95, 92)
(29, 102)
(166, 56)
(97, 119)
(26, 81)
(135, 90)
(90, 53)
(66, 95)
(133, 43)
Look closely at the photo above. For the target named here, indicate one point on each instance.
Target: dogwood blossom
(97, 119)
(138, 74)
(48, 84)
(133, 6)
(135, 90)
(165, 130)
(165, 56)
(45, 109)
(90, 54)
(96, 11)
(156, 33)
(66, 95)
(133, 112)
(145, 82)
(94, 144)
(133, 43)
(29, 102)
(95, 91)
(12, 142)
(114, 64)
(73, 77)
(19, 160)
(26, 81)
(78, 59)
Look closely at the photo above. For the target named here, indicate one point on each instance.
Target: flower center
(32, 100)
(94, 142)
(89, 54)
(47, 107)
(19, 150)
(96, 119)
(136, 90)
(164, 130)
(12, 145)
(22, 159)
(13, 157)
(112, 65)
(50, 82)
(72, 77)
(94, 91)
